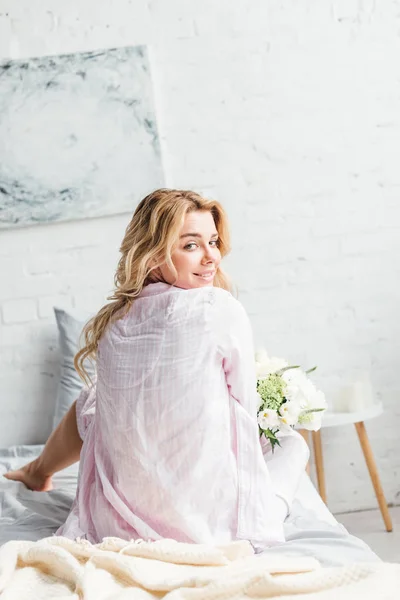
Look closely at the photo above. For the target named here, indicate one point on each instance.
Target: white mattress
(310, 529)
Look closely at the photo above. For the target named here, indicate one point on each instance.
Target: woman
(167, 436)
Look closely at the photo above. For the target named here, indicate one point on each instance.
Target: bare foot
(31, 476)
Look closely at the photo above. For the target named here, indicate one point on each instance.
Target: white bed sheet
(310, 529)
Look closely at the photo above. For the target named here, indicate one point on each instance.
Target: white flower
(289, 413)
(313, 420)
(302, 392)
(268, 418)
(304, 404)
(261, 355)
(316, 400)
(295, 376)
(265, 365)
(310, 420)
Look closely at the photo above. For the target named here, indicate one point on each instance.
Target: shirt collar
(153, 289)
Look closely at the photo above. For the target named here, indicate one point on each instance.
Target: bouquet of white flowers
(287, 397)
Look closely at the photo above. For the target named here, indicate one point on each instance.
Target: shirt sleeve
(85, 409)
(287, 463)
(239, 361)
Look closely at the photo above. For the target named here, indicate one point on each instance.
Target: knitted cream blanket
(57, 567)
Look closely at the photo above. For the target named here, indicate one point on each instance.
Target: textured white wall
(288, 113)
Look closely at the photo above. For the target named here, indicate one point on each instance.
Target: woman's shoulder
(200, 299)
(229, 314)
(218, 297)
(228, 318)
(211, 303)
(172, 303)
(226, 300)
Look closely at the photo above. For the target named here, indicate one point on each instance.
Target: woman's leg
(62, 449)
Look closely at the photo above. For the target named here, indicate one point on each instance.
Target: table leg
(373, 472)
(319, 463)
(306, 435)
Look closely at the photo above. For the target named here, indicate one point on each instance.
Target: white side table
(334, 419)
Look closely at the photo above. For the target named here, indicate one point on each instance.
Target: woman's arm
(287, 463)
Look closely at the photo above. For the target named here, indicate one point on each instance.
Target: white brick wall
(288, 113)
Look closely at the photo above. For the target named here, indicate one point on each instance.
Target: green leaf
(270, 435)
(311, 370)
(284, 369)
(274, 442)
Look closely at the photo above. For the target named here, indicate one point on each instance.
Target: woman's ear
(153, 263)
(155, 272)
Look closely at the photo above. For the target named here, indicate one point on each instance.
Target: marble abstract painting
(78, 136)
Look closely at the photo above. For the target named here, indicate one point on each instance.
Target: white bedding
(311, 530)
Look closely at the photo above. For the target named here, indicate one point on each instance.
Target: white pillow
(70, 384)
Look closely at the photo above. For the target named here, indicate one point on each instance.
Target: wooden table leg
(373, 472)
(319, 463)
(306, 435)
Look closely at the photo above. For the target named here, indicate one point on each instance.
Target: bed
(311, 530)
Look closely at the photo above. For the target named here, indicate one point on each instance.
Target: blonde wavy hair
(148, 243)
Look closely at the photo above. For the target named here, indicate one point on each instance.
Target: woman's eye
(193, 245)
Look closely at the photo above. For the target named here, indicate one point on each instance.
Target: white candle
(356, 396)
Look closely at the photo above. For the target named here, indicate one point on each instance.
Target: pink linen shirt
(171, 446)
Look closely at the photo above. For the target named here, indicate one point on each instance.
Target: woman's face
(196, 256)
